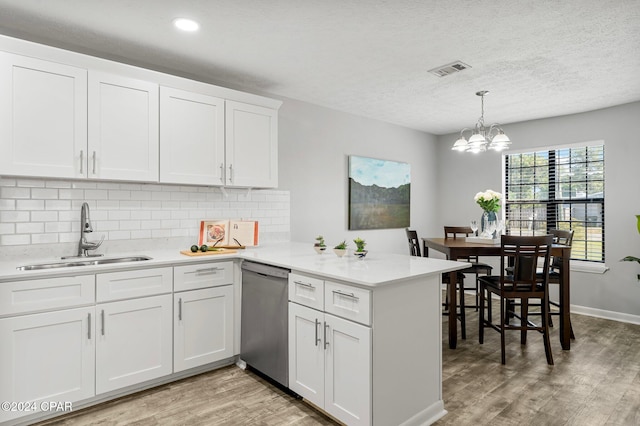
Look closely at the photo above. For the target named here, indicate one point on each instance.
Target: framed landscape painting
(379, 193)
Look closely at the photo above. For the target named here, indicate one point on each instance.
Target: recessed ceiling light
(186, 24)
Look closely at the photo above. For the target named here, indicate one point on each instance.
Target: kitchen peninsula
(394, 300)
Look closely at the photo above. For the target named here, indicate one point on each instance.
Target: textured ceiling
(370, 57)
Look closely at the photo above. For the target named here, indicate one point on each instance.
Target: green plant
(633, 258)
(320, 241)
(341, 246)
(360, 243)
(488, 200)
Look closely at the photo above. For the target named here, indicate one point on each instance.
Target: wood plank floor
(596, 383)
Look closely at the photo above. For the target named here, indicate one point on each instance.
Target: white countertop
(374, 270)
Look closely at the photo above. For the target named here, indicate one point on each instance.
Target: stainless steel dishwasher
(264, 329)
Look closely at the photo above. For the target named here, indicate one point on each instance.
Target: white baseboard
(601, 313)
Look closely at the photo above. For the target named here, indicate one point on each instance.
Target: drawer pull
(222, 172)
(180, 309)
(81, 161)
(89, 326)
(317, 338)
(342, 293)
(326, 342)
(94, 162)
(102, 317)
(304, 284)
(206, 270)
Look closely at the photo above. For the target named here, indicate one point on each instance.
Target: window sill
(589, 267)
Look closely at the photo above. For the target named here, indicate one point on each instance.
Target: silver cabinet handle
(222, 172)
(94, 162)
(230, 173)
(206, 270)
(81, 161)
(180, 309)
(304, 284)
(102, 318)
(89, 326)
(317, 324)
(351, 295)
(326, 342)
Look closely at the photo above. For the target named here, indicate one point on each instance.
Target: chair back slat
(523, 254)
(414, 244)
(454, 231)
(564, 237)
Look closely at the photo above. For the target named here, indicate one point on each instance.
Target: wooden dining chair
(522, 284)
(477, 268)
(564, 237)
(414, 250)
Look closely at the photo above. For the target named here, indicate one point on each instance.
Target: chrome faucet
(85, 227)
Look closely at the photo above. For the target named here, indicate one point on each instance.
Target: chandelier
(482, 138)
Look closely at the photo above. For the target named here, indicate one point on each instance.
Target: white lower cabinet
(203, 327)
(330, 363)
(134, 341)
(46, 357)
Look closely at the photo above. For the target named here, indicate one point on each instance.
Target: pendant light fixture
(482, 138)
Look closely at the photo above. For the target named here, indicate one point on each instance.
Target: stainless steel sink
(82, 262)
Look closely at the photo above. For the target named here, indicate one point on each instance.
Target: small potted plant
(319, 245)
(340, 249)
(360, 251)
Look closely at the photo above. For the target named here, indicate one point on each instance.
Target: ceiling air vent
(453, 67)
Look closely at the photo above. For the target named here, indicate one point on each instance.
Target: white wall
(315, 143)
(461, 175)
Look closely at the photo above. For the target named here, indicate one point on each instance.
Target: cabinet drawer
(46, 294)
(306, 291)
(348, 302)
(202, 275)
(128, 284)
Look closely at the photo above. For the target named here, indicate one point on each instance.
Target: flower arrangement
(488, 200)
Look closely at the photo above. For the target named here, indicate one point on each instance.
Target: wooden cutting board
(207, 253)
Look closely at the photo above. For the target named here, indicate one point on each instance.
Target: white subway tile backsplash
(7, 204)
(15, 240)
(57, 205)
(41, 211)
(44, 194)
(29, 228)
(8, 192)
(14, 216)
(44, 238)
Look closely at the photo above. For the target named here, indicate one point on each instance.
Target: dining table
(460, 248)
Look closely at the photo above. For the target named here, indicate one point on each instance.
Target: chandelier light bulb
(483, 138)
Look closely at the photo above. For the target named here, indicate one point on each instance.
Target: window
(559, 188)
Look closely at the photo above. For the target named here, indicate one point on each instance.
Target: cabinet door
(306, 353)
(203, 327)
(191, 138)
(123, 128)
(47, 357)
(43, 118)
(251, 145)
(347, 394)
(134, 341)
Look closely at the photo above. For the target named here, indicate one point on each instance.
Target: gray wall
(314, 145)
(461, 175)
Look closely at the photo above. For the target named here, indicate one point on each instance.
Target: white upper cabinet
(68, 115)
(43, 118)
(191, 138)
(123, 128)
(251, 145)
